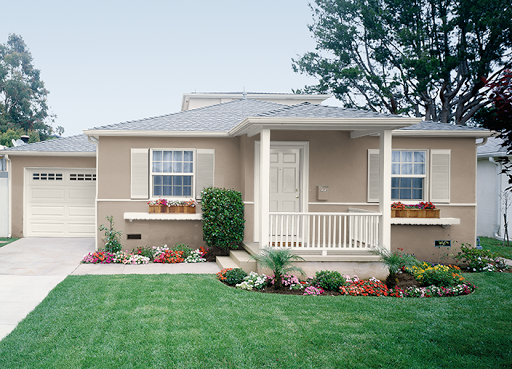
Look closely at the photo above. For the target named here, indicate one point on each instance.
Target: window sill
(443, 222)
(155, 216)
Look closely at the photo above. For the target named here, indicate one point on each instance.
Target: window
(47, 176)
(408, 175)
(172, 173)
(416, 175)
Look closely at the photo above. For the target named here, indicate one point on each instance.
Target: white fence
(324, 231)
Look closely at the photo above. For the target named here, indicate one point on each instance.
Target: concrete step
(244, 261)
(226, 262)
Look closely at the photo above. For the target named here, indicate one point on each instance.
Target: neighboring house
(314, 178)
(491, 186)
(4, 197)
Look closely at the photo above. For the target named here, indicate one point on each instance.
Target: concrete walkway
(31, 267)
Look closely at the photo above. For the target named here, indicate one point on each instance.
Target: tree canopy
(425, 58)
(23, 97)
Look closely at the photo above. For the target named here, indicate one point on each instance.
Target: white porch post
(385, 189)
(264, 186)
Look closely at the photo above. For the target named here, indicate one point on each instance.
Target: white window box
(131, 216)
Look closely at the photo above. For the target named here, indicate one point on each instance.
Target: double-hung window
(416, 175)
(172, 173)
(408, 174)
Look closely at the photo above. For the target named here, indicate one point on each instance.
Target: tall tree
(417, 57)
(23, 97)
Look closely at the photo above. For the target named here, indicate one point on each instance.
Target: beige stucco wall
(19, 163)
(337, 161)
(114, 170)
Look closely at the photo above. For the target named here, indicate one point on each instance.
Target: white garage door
(60, 202)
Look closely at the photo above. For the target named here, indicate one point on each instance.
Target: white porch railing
(324, 231)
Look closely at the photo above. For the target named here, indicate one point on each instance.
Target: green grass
(7, 241)
(194, 321)
(496, 246)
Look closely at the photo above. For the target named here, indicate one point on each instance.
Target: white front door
(285, 180)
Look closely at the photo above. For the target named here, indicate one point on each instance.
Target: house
(492, 185)
(315, 178)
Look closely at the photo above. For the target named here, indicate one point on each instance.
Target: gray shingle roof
(308, 110)
(214, 118)
(78, 143)
(492, 148)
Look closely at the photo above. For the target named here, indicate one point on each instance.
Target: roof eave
(441, 133)
(251, 125)
(88, 154)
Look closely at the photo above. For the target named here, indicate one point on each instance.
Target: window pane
(417, 194)
(395, 168)
(157, 155)
(188, 167)
(419, 168)
(406, 156)
(178, 180)
(167, 155)
(167, 191)
(405, 182)
(188, 156)
(395, 194)
(157, 180)
(178, 156)
(187, 180)
(167, 167)
(405, 194)
(157, 191)
(157, 166)
(417, 182)
(167, 180)
(406, 169)
(177, 167)
(395, 156)
(177, 191)
(187, 191)
(419, 156)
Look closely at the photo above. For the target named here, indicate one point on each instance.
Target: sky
(106, 62)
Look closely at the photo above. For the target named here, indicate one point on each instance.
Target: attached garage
(59, 202)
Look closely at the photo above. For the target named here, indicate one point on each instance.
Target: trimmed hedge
(223, 217)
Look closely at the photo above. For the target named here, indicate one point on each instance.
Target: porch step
(225, 262)
(244, 261)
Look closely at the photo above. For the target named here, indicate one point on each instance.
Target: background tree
(23, 97)
(417, 57)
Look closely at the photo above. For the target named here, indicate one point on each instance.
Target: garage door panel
(47, 228)
(64, 207)
(44, 211)
(78, 211)
(43, 194)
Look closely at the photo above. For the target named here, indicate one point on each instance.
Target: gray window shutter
(440, 175)
(373, 175)
(204, 170)
(140, 174)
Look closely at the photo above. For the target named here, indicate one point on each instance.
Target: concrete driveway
(30, 268)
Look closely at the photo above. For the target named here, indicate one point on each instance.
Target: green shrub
(477, 260)
(223, 217)
(235, 276)
(145, 251)
(329, 280)
(112, 242)
(187, 251)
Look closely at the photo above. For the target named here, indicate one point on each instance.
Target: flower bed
(145, 255)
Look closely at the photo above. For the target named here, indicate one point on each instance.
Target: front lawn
(194, 321)
(5, 241)
(496, 246)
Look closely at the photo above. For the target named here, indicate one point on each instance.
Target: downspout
(497, 228)
(95, 141)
